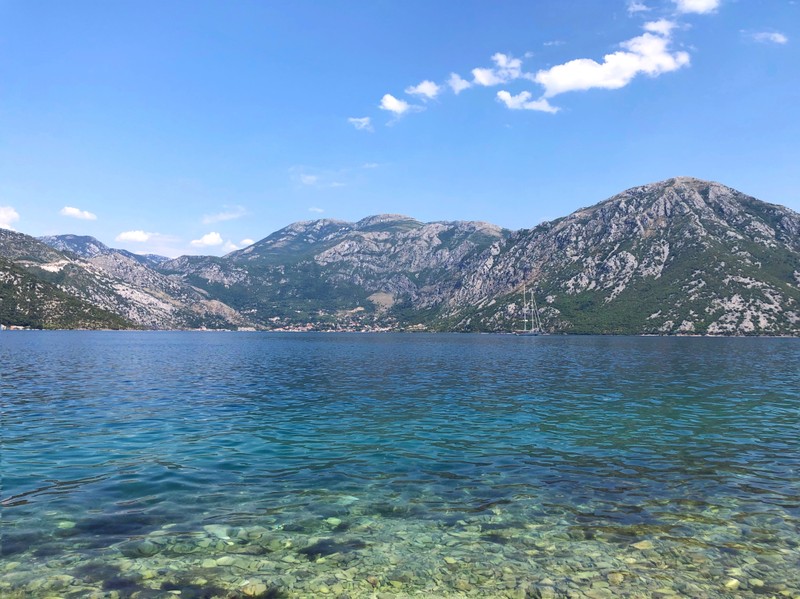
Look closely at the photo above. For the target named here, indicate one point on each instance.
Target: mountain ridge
(679, 256)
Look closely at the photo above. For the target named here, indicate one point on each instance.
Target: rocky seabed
(360, 553)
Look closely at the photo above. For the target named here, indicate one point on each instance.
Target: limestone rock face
(678, 256)
(114, 282)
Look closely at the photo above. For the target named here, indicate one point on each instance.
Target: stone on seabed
(732, 584)
(254, 588)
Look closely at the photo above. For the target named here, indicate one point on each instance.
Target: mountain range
(681, 256)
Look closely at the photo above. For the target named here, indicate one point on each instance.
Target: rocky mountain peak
(383, 219)
(84, 246)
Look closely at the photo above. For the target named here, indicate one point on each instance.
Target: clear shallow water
(305, 465)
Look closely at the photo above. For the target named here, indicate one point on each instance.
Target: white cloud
(77, 213)
(648, 53)
(246, 242)
(427, 90)
(661, 27)
(229, 246)
(361, 123)
(768, 37)
(634, 6)
(208, 240)
(137, 236)
(7, 216)
(697, 6)
(370, 165)
(522, 101)
(156, 243)
(232, 214)
(315, 209)
(506, 69)
(308, 179)
(392, 104)
(457, 84)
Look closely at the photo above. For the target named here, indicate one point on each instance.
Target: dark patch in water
(325, 547)
(14, 543)
(47, 550)
(451, 520)
(124, 586)
(96, 571)
(494, 537)
(119, 525)
(306, 525)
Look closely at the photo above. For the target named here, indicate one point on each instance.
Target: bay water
(189, 464)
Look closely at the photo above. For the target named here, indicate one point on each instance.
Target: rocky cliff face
(334, 273)
(681, 256)
(116, 283)
(28, 301)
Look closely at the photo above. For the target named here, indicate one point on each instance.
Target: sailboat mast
(524, 309)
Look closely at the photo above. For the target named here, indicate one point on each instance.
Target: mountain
(114, 282)
(335, 274)
(678, 256)
(85, 246)
(31, 302)
(681, 256)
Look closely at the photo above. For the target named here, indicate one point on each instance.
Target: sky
(176, 127)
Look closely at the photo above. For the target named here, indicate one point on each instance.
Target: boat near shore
(529, 306)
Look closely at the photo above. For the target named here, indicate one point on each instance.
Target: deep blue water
(435, 464)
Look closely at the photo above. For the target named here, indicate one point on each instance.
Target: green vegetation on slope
(31, 302)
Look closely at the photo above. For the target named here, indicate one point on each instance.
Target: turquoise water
(347, 465)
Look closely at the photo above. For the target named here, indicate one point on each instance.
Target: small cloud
(157, 243)
(457, 84)
(7, 216)
(370, 165)
(770, 37)
(634, 6)
(236, 212)
(137, 236)
(319, 178)
(554, 43)
(208, 240)
(428, 90)
(315, 209)
(701, 7)
(522, 101)
(308, 179)
(246, 242)
(229, 246)
(77, 213)
(506, 69)
(361, 123)
(392, 104)
(661, 27)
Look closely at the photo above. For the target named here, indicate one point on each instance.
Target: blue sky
(192, 127)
